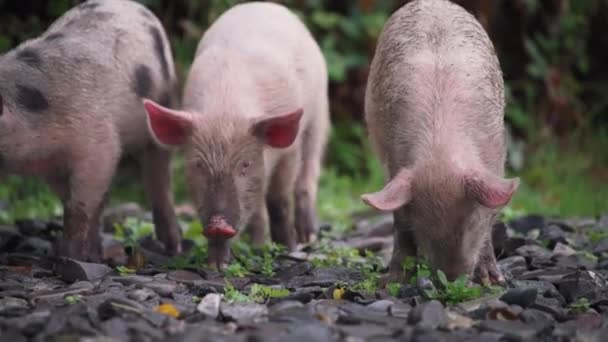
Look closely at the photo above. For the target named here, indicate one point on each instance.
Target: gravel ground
(556, 290)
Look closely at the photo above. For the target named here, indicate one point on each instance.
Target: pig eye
(244, 166)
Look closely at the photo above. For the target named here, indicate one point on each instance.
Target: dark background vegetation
(554, 55)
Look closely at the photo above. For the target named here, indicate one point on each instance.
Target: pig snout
(218, 228)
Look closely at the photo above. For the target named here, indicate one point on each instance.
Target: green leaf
(443, 280)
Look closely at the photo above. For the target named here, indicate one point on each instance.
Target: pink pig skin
(254, 125)
(434, 110)
(71, 106)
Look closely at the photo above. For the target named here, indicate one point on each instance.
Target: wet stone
(185, 277)
(520, 296)
(534, 252)
(601, 247)
(32, 227)
(553, 234)
(563, 250)
(36, 245)
(536, 317)
(325, 277)
(429, 315)
(551, 306)
(579, 284)
(70, 270)
(526, 223)
(514, 265)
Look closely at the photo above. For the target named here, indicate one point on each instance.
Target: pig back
(270, 49)
(93, 66)
(435, 79)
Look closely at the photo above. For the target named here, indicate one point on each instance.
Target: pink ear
(168, 127)
(395, 194)
(490, 190)
(279, 131)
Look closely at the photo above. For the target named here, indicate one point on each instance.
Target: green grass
(562, 178)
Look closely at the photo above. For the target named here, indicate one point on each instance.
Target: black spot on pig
(1, 106)
(159, 45)
(142, 82)
(89, 19)
(31, 99)
(29, 56)
(54, 36)
(89, 5)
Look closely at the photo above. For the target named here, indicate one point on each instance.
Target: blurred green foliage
(553, 55)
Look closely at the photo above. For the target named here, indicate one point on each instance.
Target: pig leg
(487, 271)
(157, 182)
(404, 246)
(278, 201)
(313, 143)
(84, 193)
(257, 225)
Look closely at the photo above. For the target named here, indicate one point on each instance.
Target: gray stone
(522, 296)
(83, 284)
(36, 245)
(10, 304)
(141, 295)
(429, 315)
(210, 305)
(514, 265)
(536, 317)
(70, 270)
(381, 305)
(534, 252)
(244, 313)
(563, 250)
(185, 277)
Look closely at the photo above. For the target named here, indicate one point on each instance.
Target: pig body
(72, 105)
(254, 125)
(434, 112)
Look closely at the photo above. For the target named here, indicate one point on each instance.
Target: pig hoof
(489, 275)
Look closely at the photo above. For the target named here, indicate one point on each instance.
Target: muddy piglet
(71, 105)
(253, 128)
(434, 112)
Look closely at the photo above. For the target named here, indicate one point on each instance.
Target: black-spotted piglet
(71, 105)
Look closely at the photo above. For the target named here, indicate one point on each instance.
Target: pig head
(225, 166)
(448, 211)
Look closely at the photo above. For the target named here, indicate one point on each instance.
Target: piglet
(253, 127)
(434, 110)
(71, 106)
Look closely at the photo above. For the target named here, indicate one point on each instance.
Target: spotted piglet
(434, 109)
(71, 105)
(254, 126)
